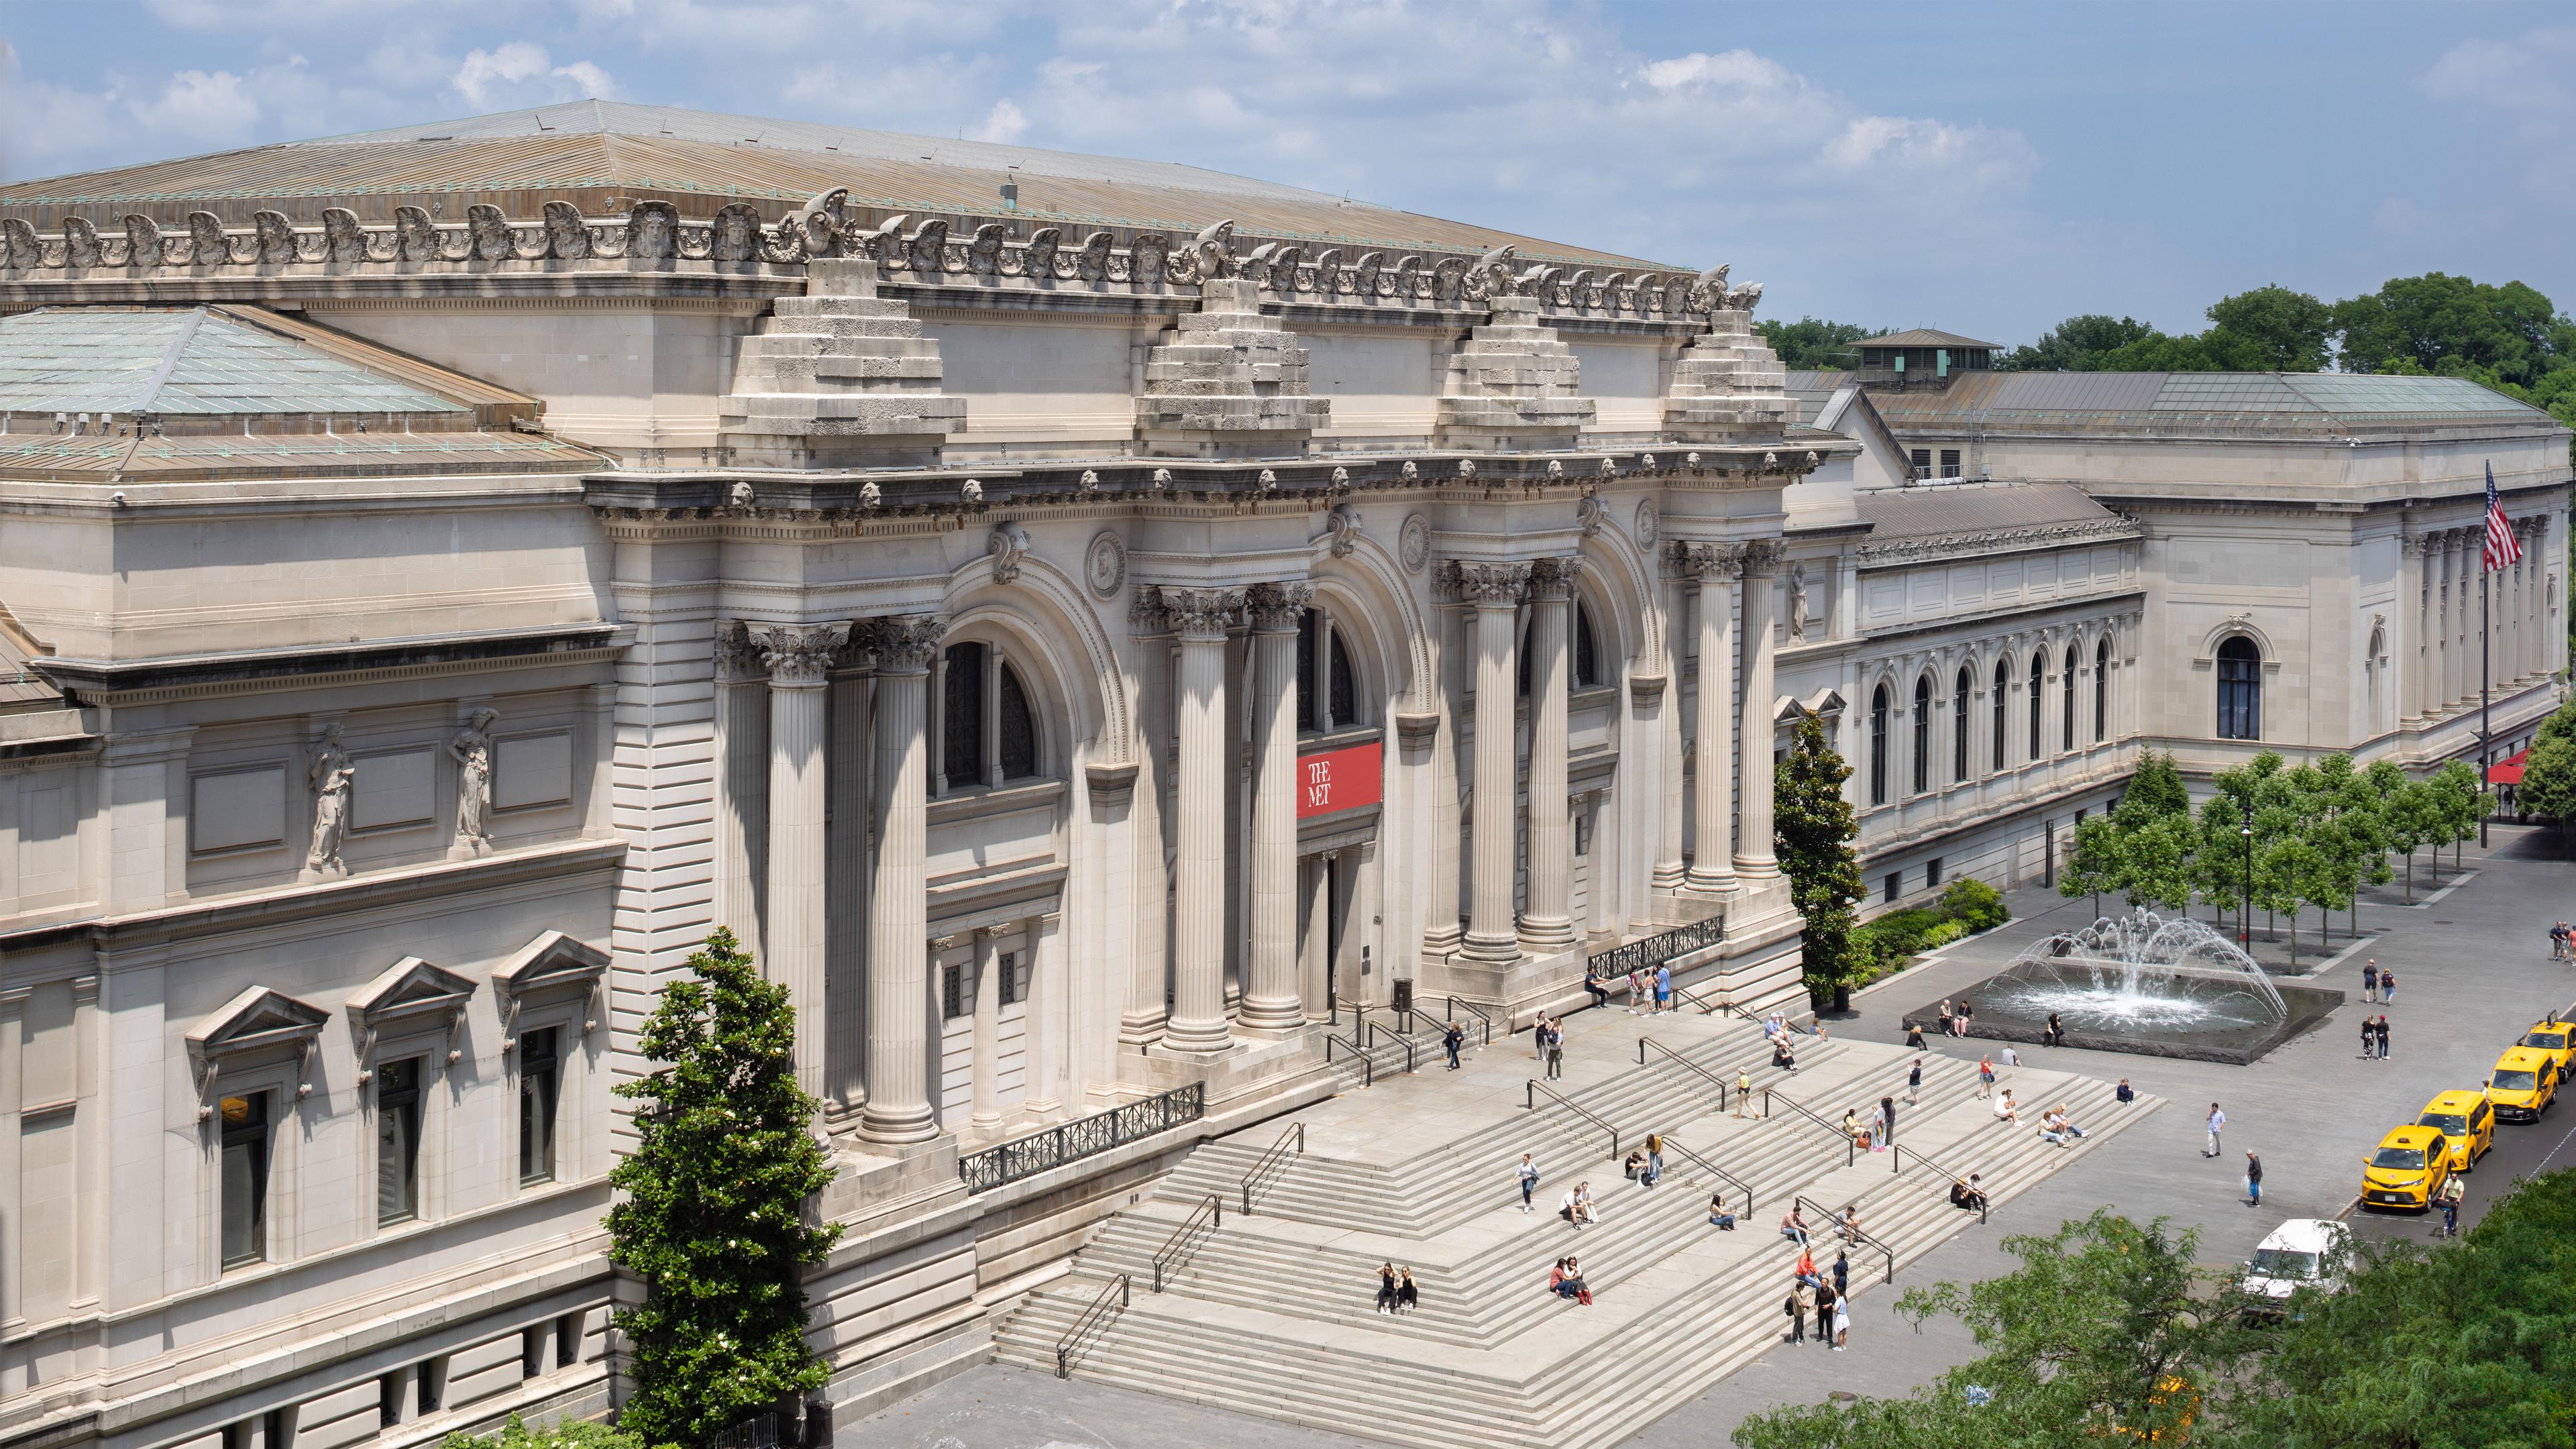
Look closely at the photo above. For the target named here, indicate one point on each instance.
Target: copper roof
(2166, 401)
(601, 155)
(1939, 509)
(1923, 337)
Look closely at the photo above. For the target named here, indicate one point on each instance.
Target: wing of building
(1084, 621)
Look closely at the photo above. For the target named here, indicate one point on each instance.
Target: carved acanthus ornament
(1342, 530)
(798, 654)
(1006, 546)
(1708, 561)
(1489, 585)
(906, 643)
(1202, 614)
(1551, 580)
(1761, 558)
(1276, 607)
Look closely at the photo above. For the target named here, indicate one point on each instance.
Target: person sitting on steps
(1965, 1194)
(1407, 1296)
(1386, 1288)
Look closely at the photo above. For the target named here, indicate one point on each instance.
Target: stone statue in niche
(334, 776)
(471, 749)
(1797, 601)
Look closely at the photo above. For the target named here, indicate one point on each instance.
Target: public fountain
(2143, 983)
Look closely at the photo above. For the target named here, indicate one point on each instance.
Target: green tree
(1812, 830)
(2275, 328)
(713, 1199)
(2457, 803)
(2437, 323)
(566, 1434)
(2094, 865)
(2394, 811)
(2159, 859)
(2548, 786)
(1812, 342)
(2077, 344)
(2099, 1332)
(2156, 790)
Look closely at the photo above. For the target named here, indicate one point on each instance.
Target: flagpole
(2486, 705)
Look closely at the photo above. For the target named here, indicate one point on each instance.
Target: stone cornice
(1896, 553)
(1985, 625)
(198, 676)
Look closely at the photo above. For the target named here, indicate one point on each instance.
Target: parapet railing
(1008, 1162)
(1851, 1147)
(1093, 1317)
(1652, 951)
(1714, 1170)
(1529, 1102)
(1854, 1236)
(1712, 1078)
(1271, 1160)
(1204, 1219)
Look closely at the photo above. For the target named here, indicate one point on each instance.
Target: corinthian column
(1198, 1024)
(1548, 925)
(1271, 998)
(1753, 857)
(1495, 591)
(898, 1061)
(798, 657)
(2407, 647)
(1668, 728)
(1715, 564)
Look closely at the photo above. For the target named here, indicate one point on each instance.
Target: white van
(2300, 1253)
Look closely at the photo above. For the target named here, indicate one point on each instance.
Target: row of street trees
(2287, 837)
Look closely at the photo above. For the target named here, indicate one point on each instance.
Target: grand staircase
(1271, 1313)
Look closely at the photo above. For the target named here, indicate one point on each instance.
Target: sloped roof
(1933, 510)
(1924, 337)
(2117, 400)
(174, 361)
(590, 152)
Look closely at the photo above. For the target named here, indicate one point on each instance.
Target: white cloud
(521, 73)
(2527, 81)
(1005, 122)
(212, 106)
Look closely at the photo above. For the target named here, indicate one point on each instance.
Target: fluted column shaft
(1198, 989)
(899, 1008)
(799, 657)
(1547, 926)
(1271, 998)
(988, 1035)
(1495, 591)
(2407, 647)
(1668, 728)
(2455, 622)
(1753, 857)
(1712, 868)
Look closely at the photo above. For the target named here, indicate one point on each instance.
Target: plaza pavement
(2473, 971)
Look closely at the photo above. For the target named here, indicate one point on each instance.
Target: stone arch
(1626, 586)
(1370, 577)
(1043, 612)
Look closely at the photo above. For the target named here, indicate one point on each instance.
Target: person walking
(1887, 1121)
(1842, 1323)
(2388, 988)
(2217, 1124)
(2370, 979)
(2450, 1200)
(1914, 1083)
(2382, 1028)
(1386, 1289)
(1527, 1172)
(2253, 1179)
(2369, 1038)
(1985, 1078)
(1452, 1039)
(1556, 1049)
(1743, 1089)
(2559, 936)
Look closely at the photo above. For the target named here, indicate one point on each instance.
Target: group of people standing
(1827, 1300)
(1878, 1132)
(1547, 1042)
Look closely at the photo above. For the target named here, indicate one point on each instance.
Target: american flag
(2503, 550)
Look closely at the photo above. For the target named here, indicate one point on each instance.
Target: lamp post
(2245, 914)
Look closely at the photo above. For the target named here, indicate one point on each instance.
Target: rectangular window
(397, 1142)
(956, 991)
(389, 1400)
(1922, 462)
(1949, 462)
(1015, 979)
(1895, 884)
(432, 1378)
(532, 1351)
(1931, 872)
(1582, 836)
(539, 1083)
(568, 1340)
(245, 1188)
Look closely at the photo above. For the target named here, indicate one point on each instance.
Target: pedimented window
(411, 998)
(259, 1028)
(553, 971)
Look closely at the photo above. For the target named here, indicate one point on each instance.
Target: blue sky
(1984, 168)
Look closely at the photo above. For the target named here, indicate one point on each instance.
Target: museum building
(1091, 626)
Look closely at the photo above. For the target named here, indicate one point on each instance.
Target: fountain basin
(2210, 1017)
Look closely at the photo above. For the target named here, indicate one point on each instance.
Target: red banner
(1337, 780)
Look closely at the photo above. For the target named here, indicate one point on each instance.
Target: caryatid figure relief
(471, 749)
(333, 775)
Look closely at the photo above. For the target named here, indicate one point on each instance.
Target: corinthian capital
(1761, 558)
(906, 643)
(798, 653)
(1551, 580)
(1708, 561)
(1492, 585)
(1202, 614)
(1276, 607)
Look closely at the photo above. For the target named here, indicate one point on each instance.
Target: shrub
(569, 1434)
(1968, 906)
(1975, 902)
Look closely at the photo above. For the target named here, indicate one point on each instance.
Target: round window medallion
(1415, 542)
(1646, 523)
(1105, 566)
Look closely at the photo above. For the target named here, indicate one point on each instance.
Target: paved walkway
(2474, 969)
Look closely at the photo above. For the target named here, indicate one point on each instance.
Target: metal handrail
(1401, 1040)
(1658, 949)
(1707, 1166)
(1529, 1102)
(1858, 1236)
(1083, 1323)
(1272, 1156)
(1706, 1006)
(1757, 1021)
(1719, 1082)
(1368, 1064)
(1455, 1003)
(1897, 1152)
(1178, 1247)
(1851, 1147)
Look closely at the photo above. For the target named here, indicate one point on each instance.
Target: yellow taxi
(2410, 1166)
(2524, 1084)
(2556, 1036)
(2466, 1121)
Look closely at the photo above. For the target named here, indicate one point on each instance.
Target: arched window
(2066, 686)
(2240, 690)
(1587, 663)
(2038, 672)
(1922, 734)
(1959, 723)
(2101, 691)
(984, 741)
(2003, 729)
(2373, 671)
(1877, 746)
(1337, 702)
